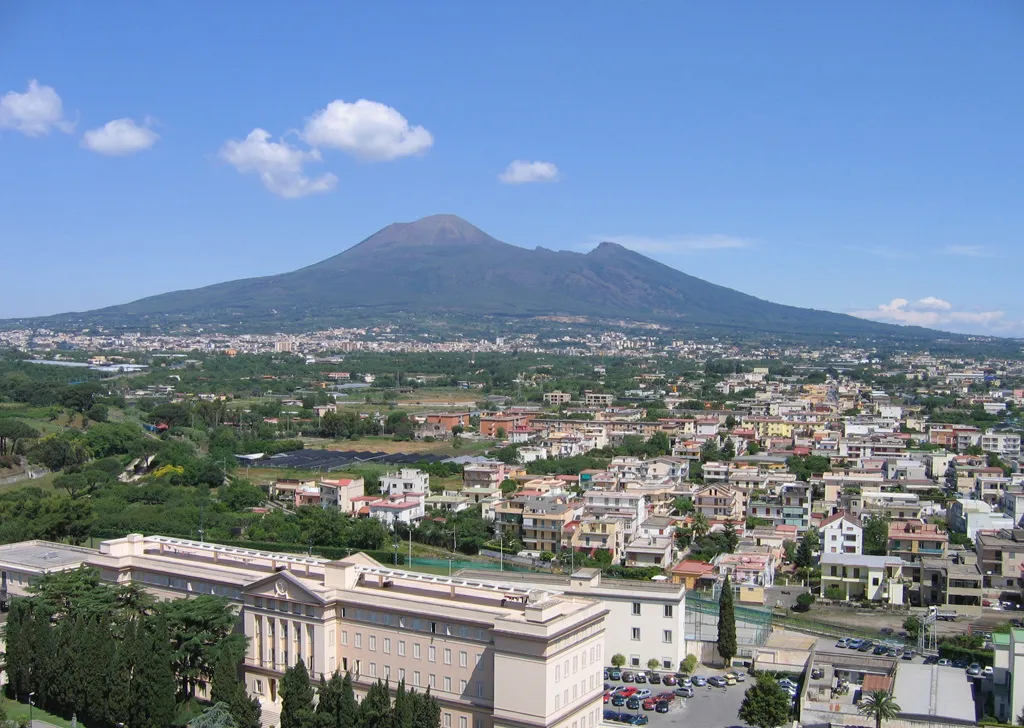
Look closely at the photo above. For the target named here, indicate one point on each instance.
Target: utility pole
(501, 552)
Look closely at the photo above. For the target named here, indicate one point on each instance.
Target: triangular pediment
(283, 585)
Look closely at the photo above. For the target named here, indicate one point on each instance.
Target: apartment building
(1007, 680)
(858, 576)
(971, 516)
(1004, 444)
(405, 482)
(338, 494)
(897, 506)
(649, 551)
(485, 475)
(544, 521)
(1001, 558)
(718, 501)
(593, 399)
(494, 654)
(954, 582)
(912, 540)
(601, 533)
(557, 398)
(791, 507)
(842, 533)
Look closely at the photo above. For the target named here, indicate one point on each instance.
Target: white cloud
(367, 130)
(676, 244)
(935, 313)
(522, 171)
(969, 251)
(279, 164)
(35, 112)
(119, 137)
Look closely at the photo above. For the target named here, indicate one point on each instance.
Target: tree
(804, 555)
(730, 422)
(217, 715)
(426, 710)
(879, 705)
(658, 444)
(912, 625)
(402, 715)
(653, 664)
(732, 539)
(227, 688)
(804, 601)
(375, 708)
(753, 448)
(500, 433)
(700, 525)
(765, 704)
(297, 698)
(198, 628)
(618, 660)
(75, 484)
(688, 664)
(876, 535)
(726, 622)
(11, 432)
(348, 708)
(508, 487)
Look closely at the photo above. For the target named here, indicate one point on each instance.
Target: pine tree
(19, 648)
(226, 687)
(426, 711)
(328, 707)
(726, 622)
(297, 698)
(765, 704)
(375, 710)
(151, 694)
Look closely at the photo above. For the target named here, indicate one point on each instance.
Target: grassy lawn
(45, 483)
(17, 711)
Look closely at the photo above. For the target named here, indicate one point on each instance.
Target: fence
(753, 624)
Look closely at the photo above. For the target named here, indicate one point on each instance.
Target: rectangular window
(558, 673)
(401, 673)
(666, 636)
(359, 641)
(416, 650)
(373, 669)
(463, 721)
(636, 633)
(479, 689)
(373, 643)
(416, 679)
(636, 609)
(463, 659)
(330, 638)
(447, 720)
(432, 680)
(257, 687)
(447, 656)
(401, 648)
(432, 654)
(447, 684)
(344, 637)
(387, 646)
(462, 687)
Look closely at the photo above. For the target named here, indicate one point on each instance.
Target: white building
(405, 509)
(842, 533)
(405, 482)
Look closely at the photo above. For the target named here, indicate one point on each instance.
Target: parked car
(974, 670)
(607, 696)
(686, 682)
(718, 682)
(669, 680)
(842, 642)
(633, 703)
(628, 676)
(627, 691)
(730, 679)
(879, 650)
(987, 671)
(931, 660)
(854, 644)
(909, 654)
(643, 694)
(618, 700)
(649, 704)
(615, 674)
(640, 677)
(787, 683)
(885, 630)
(817, 673)
(611, 714)
(699, 681)
(866, 646)
(662, 706)
(654, 678)
(737, 676)
(667, 696)
(684, 691)
(960, 664)
(624, 718)
(945, 663)
(639, 720)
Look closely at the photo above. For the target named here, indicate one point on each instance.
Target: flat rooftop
(931, 691)
(43, 555)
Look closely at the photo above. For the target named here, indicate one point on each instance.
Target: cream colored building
(494, 655)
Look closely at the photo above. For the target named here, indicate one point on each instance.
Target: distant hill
(444, 265)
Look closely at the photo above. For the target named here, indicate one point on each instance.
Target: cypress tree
(348, 708)
(328, 706)
(726, 622)
(153, 685)
(375, 710)
(227, 688)
(297, 698)
(19, 648)
(426, 711)
(403, 710)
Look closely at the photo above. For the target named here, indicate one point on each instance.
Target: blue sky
(860, 157)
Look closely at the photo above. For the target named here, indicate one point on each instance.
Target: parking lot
(710, 707)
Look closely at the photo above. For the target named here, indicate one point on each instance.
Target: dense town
(826, 518)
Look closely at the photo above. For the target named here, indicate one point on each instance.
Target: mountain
(443, 265)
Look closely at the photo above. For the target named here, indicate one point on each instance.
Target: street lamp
(30, 704)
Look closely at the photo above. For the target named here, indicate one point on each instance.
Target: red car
(650, 704)
(607, 696)
(669, 680)
(627, 692)
(667, 697)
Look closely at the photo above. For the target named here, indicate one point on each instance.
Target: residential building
(593, 399)
(954, 582)
(602, 533)
(895, 506)
(557, 398)
(405, 482)
(911, 540)
(791, 507)
(720, 502)
(485, 475)
(407, 509)
(1004, 444)
(1001, 556)
(971, 516)
(747, 569)
(450, 500)
(543, 522)
(494, 654)
(1007, 680)
(693, 574)
(649, 551)
(337, 494)
(842, 533)
(858, 576)
(450, 420)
